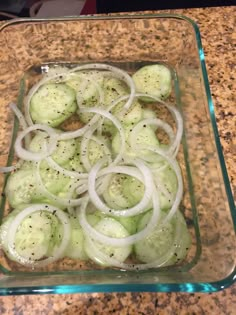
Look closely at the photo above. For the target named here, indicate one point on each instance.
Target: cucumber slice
(158, 243)
(114, 194)
(149, 114)
(146, 136)
(112, 228)
(166, 178)
(113, 89)
(75, 248)
(154, 245)
(75, 163)
(22, 187)
(132, 116)
(95, 152)
(52, 104)
(94, 218)
(54, 181)
(185, 241)
(85, 84)
(35, 235)
(64, 151)
(130, 223)
(133, 190)
(154, 80)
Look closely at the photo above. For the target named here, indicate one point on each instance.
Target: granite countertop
(217, 29)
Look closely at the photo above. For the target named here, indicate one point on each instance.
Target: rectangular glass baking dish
(27, 46)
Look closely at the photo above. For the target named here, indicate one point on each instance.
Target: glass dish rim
(147, 287)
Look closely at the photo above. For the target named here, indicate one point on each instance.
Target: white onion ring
(82, 188)
(8, 169)
(19, 115)
(102, 183)
(58, 253)
(36, 156)
(22, 121)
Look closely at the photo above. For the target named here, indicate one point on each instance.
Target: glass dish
(28, 47)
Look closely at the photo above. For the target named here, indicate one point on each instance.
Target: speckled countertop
(217, 26)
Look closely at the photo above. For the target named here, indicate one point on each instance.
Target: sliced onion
(103, 183)
(138, 208)
(36, 156)
(58, 252)
(81, 189)
(8, 169)
(19, 115)
(129, 240)
(22, 121)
